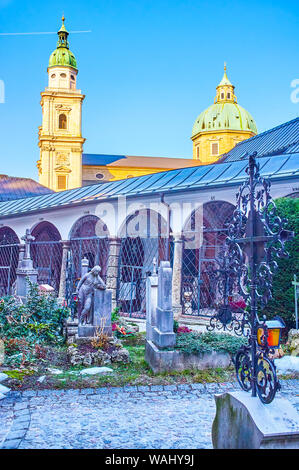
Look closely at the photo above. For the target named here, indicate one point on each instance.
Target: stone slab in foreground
(244, 422)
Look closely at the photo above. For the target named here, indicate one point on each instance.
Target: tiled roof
(89, 159)
(280, 140)
(195, 178)
(12, 188)
(100, 159)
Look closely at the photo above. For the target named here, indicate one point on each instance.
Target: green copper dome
(225, 113)
(62, 55)
(222, 116)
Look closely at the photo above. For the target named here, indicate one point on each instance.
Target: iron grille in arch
(9, 256)
(47, 257)
(135, 264)
(198, 295)
(95, 249)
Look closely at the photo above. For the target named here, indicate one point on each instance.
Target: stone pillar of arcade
(62, 285)
(112, 267)
(177, 275)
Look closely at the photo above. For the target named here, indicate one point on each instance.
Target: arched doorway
(89, 238)
(204, 235)
(9, 256)
(46, 253)
(144, 238)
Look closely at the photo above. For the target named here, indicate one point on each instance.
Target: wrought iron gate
(198, 294)
(135, 264)
(47, 257)
(9, 255)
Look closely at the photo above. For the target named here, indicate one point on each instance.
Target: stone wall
(164, 361)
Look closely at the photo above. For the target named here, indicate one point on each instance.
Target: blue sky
(148, 68)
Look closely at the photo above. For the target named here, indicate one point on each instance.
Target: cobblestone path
(167, 417)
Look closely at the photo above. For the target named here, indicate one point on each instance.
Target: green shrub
(282, 303)
(39, 320)
(175, 325)
(115, 315)
(199, 343)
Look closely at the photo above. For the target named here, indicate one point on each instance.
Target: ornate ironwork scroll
(256, 237)
(229, 315)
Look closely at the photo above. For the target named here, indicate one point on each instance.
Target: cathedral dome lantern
(221, 126)
(62, 56)
(225, 90)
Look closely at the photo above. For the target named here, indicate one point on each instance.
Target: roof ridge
(2, 175)
(136, 156)
(270, 130)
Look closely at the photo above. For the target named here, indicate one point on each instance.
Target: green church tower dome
(62, 56)
(225, 113)
(224, 116)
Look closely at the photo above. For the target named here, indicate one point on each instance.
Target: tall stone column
(112, 268)
(62, 285)
(160, 337)
(177, 275)
(151, 302)
(25, 271)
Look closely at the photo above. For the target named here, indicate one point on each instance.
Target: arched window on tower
(61, 182)
(62, 121)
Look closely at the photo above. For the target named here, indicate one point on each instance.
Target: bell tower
(60, 135)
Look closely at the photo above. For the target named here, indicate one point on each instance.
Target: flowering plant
(121, 331)
(183, 329)
(237, 305)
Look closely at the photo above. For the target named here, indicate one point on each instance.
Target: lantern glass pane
(273, 337)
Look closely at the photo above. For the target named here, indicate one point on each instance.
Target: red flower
(238, 305)
(183, 329)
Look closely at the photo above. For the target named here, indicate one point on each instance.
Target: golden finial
(224, 66)
(63, 18)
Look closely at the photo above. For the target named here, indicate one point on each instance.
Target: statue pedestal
(89, 331)
(102, 307)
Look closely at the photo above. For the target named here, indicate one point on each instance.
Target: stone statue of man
(85, 293)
